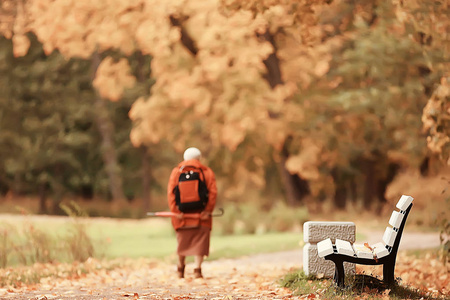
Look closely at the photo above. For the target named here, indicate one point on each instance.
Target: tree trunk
(146, 198)
(43, 198)
(295, 187)
(287, 183)
(146, 170)
(106, 129)
(340, 193)
(383, 183)
(57, 189)
(369, 185)
(272, 63)
(353, 190)
(17, 184)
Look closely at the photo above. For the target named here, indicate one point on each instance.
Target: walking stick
(168, 214)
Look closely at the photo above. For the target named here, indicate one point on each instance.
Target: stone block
(315, 265)
(314, 232)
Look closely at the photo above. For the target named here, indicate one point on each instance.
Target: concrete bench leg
(314, 232)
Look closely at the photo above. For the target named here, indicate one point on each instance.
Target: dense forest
(304, 101)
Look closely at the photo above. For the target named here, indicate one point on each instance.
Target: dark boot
(198, 273)
(180, 271)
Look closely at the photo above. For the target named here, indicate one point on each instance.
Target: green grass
(360, 286)
(148, 238)
(132, 238)
(142, 244)
(156, 239)
(248, 244)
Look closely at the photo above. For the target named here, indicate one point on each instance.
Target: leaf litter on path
(245, 278)
(149, 280)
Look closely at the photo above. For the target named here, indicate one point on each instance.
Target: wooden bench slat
(396, 219)
(362, 251)
(325, 247)
(380, 250)
(389, 236)
(344, 247)
(404, 202)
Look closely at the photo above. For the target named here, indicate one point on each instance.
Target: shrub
(5, 244)
(28, 244)
(24, 245)
(225, 224)
(77, 242)
(283, 218)
(250, 218)
(239, 219)
(39, 245)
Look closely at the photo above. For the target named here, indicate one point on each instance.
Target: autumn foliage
(329, 90)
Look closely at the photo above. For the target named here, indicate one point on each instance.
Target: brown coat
(210, 181)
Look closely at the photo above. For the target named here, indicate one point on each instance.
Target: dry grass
(27, 243)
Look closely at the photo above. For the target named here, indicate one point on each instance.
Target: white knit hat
(192, 153)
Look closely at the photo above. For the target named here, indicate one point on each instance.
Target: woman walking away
(192, 189)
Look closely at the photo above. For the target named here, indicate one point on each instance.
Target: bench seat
(326, 247)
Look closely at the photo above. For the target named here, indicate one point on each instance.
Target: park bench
(383, 253)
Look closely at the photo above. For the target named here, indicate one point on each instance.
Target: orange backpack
(191, 193)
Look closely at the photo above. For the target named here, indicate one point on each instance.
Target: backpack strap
(193, 167)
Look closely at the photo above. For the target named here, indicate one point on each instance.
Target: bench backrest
(393, 234)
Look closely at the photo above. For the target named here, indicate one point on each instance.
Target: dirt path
(253, 277)
(224, 279)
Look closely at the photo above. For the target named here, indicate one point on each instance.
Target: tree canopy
(323, 90)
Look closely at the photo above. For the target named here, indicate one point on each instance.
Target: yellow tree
(228, 73)
(226, 67)
(432, 27)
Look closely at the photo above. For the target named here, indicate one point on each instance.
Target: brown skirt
(193, 241)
